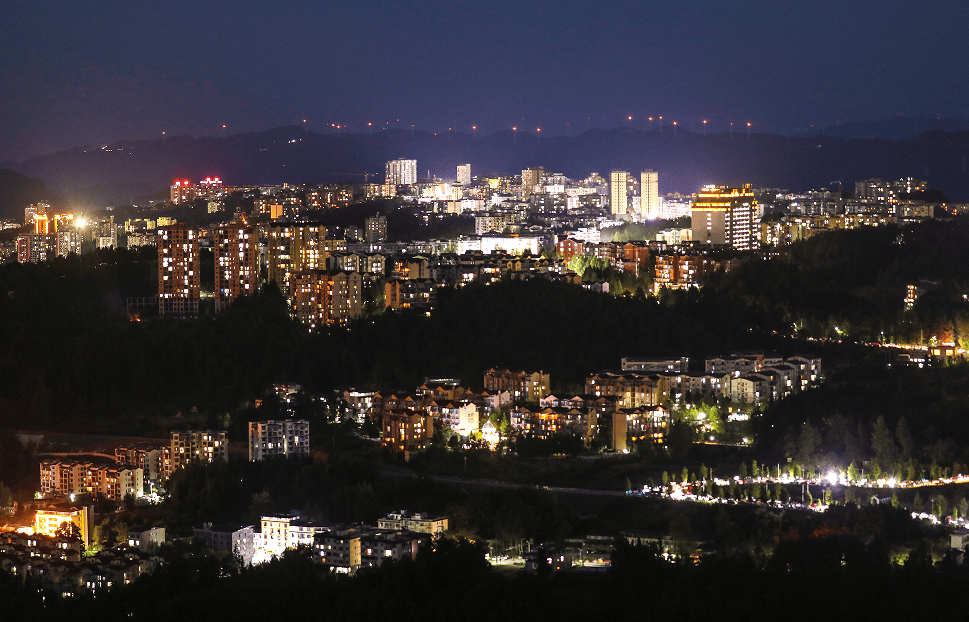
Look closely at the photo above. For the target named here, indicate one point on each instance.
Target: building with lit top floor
(723, 215)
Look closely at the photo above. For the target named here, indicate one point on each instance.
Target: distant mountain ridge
(897, 128)
(18, 191)
(113, 174)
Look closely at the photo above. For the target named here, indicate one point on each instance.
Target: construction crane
(366, 176)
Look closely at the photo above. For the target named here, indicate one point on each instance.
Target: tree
(808, 443)
(853, 473)
(684, 540)
(6, 496)
(883, 444)
(905, 441)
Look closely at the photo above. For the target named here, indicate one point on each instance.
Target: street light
(514, 134)
(704, 127)
(651, 123)
(474, 129)
(748, 131)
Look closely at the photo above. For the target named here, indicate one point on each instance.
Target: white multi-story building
(649, 194)
(401, 172)
(64, 477)
(464, 174)
(618, 187)
(289, 438)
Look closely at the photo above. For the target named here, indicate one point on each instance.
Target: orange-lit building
(292, 248)
(723, 215)
(47, 521)
(321, 297)
(523, 386)
(410, 294)
(407, 430)
(178, 270)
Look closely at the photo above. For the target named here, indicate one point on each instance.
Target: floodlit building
(236, 269)
(64, 477)
(723, 215)
(235, 539)
(618, 189)
(649, 194)
(464, 174)
(178, 270)
(401, 172)
(288, 437)
(48, 521)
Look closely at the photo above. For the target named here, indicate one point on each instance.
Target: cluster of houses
(57, 563)
(342, 548)
(626, 405)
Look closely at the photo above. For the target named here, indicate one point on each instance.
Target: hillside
(117, 173)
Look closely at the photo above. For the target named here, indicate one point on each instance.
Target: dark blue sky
(77, 73)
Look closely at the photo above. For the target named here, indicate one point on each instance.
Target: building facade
(178, 270)
(649, 194)
(191, 446)
(723, 215)
(236, 263)
(288, 438)
(618, 190)
(324, 297)
(401, 172)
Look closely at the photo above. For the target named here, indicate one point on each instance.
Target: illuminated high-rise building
(723, 215)
(35, 247)
(178, 270)
(183, 191)
(401, 172)
(531, 178)
(649, 194)
(293, 247)
(322, 297)
(35, 209)
(236, 268)
(464, 174)
(376, 229)
(41, 224)
(618, 187)
(194, 446)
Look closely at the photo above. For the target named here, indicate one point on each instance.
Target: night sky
(78, 73)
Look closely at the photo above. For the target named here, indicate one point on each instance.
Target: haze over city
(76, 74)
